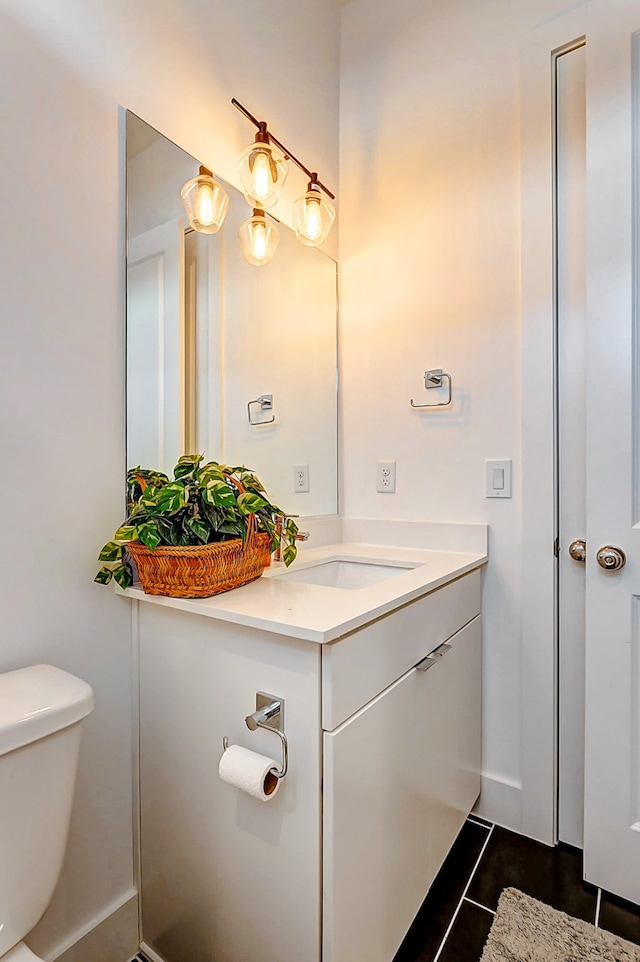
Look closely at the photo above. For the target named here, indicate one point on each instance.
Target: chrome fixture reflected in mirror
(265, 402)
(259, 239)
(205, 202)
(206, 333)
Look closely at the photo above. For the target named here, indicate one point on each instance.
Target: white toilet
(41, 711)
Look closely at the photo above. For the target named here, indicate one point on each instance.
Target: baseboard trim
(111, 936)
(149, 953)
(500, 801)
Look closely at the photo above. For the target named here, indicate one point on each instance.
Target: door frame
(539, 662)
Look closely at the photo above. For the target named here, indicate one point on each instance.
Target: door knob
(578, 550)
(611, 558)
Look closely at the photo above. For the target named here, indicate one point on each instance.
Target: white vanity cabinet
(400, 777)
(384, 762)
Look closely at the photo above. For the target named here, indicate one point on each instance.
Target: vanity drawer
(357, 667)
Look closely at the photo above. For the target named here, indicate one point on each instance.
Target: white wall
(65, 68)
(430, 275)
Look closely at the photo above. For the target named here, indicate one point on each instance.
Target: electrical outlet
(301, 478)
(386, 477)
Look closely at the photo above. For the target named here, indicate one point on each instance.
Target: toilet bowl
(41, 712)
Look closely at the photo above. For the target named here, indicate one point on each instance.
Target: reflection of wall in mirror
(207, 335)
(280, 339)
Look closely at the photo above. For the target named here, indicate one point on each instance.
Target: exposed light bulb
(263, 169)
(262, 182)
(313, 220)
(205, 202)
(259, 241)
(204, 205)
(313, 216)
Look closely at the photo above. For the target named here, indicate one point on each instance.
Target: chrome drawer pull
(426, 663)
(433, 658)
(440, 651)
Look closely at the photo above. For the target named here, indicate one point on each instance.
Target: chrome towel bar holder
(266, 404)
(433, 379)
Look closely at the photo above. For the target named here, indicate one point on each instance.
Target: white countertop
(318, 613)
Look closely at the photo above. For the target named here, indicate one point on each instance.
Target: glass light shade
(313, 217)
(258, 239)
(263, 170)
(205, 203)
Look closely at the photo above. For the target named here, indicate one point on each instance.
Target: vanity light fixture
(205, 202)
(260, 170)
(263, 170)
(313, 215)
(258, 239)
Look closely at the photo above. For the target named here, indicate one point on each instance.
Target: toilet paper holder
(269, 714)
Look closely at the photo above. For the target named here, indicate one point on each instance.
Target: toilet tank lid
(37, 701)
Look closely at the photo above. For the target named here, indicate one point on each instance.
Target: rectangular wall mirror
(214, 343)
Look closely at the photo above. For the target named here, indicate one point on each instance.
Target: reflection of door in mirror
(208, 333)
(156, 401)
(155, 296)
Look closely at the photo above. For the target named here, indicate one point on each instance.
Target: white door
(155, 348)
(612, 692)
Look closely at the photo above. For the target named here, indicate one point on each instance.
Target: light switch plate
(498, 479)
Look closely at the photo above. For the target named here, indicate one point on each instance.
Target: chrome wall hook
(432, 379)
(266, 404)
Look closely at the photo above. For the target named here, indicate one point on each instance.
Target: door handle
(611, 558)
(578, 550)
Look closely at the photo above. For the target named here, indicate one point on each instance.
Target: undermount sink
(344, 574)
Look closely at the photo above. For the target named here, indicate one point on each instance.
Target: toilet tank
(41, 710)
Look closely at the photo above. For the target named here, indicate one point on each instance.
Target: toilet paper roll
(250, 772)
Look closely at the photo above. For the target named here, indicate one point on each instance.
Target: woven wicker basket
(200, 571)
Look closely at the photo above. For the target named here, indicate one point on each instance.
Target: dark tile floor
(454, 920)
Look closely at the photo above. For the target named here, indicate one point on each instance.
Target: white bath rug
(525, 930)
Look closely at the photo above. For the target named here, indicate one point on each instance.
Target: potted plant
(209, 529)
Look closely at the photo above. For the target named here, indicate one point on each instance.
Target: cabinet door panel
(401, 775)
